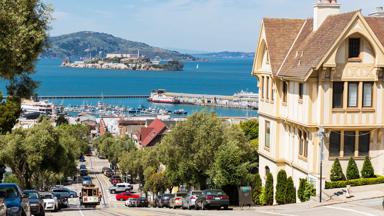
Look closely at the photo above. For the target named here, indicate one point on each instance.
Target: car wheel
(113, 192)
(225, 207)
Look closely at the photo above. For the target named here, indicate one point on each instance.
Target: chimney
(378, 13)
(323, 9)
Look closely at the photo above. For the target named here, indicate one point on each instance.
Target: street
(109, 205)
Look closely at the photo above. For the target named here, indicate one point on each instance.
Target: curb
(346, 201)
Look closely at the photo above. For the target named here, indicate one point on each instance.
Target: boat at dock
(158, 96)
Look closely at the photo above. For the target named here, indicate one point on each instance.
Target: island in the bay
(100, 50)
(119, 61)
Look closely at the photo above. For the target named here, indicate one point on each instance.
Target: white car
(131, 202)
(120, 187)
(50, 202)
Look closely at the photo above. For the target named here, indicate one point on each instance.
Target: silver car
(190, 199)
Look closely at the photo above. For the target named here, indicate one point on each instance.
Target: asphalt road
(111, 207)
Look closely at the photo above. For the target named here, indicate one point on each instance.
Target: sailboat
(197, 67)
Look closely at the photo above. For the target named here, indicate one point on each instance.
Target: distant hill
(226, 55)
(86, 43)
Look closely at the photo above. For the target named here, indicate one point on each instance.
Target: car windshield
(196, 192)
(32, 195)
(215, 193)
(86, 178)
(8, 192)
(48, 196)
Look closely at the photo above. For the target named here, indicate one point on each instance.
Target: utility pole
(321, 134)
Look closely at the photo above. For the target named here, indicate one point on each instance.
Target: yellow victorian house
(323, 73)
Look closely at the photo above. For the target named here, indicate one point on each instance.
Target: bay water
(216, 76)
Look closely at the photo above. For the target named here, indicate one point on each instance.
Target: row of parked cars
(206, 199)
(16, 202)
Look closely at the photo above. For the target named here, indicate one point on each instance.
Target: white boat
(197, 67)
(158, 96)
(42, 107)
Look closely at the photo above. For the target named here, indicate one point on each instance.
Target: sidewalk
(358, 193)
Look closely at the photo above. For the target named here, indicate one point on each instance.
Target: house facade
(320, 74)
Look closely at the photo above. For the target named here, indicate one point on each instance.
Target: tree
(269, 189)
(61, 120)
(250, 128)
(290, 194)
(263, 197)
(281, 187)
(9, 113)
(188, 150)
(232, 160)
(336, 171)
(256, 189)
(352, 170)
(24, 25)
(367, 171)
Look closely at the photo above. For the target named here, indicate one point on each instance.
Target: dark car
(142, 202)
(83, 172)
(36, 203)
(87, 181)
(212, 199)
(115, 179)
(82, 166)
(165, 200)
(82, 159)
(66, 191)
(15, 201)
(108, 173)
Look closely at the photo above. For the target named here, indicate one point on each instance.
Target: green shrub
(281, 187)
(300, 191)
(10, 178)
(290, 192)
(367, 170)
(309, 191)
(269, 189)
(355, 182)
(263, 197)
(256, 189)
(352, 170)
(336, 171)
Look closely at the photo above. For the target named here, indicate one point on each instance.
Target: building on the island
(151, 134)
(324, 72)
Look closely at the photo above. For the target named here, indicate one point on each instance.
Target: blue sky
(203, 25)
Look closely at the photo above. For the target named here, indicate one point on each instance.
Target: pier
(94, 97)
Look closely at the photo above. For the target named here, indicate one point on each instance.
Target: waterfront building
(151, 135)
(324, 72)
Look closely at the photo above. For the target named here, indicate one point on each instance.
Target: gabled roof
(312, 46)
(377, 26)
(280, 35)
(148, 134)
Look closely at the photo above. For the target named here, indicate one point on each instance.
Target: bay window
(353, 88)
(338, 93)
(354, 143)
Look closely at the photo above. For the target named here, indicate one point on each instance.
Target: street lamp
(322, 135)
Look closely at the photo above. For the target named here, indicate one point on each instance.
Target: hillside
(84, 44)
(226, 55)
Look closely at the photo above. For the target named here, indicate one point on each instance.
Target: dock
(94, 97)
(234, 101)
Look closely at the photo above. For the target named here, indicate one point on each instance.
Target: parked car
(51, 202)
(126, 195)
(83, 172)
(142, 202)
(82, 158)
(189, 200)
(3, 208)
(36, 203)
(82, 166)
(87, 181)
(115, 180)
(15, 201)
(131, 202)
(212, 199)
(165, 200)
(156, 202)
(109, 173)
(177, 200)
(105, 169)
(120, 187)
(68, 181)
(61, 189)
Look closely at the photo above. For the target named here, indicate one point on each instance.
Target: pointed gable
(312, 46)
(148, 135)
(280, 34)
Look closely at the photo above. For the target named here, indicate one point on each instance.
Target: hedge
(354, 182)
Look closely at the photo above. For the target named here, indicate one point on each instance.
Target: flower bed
(354, 182)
